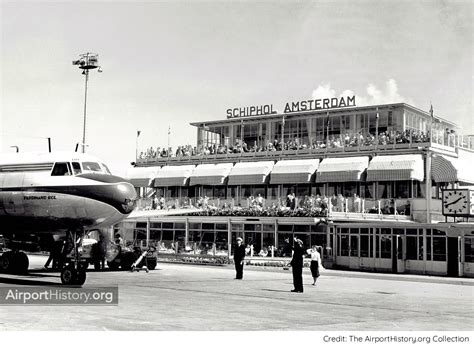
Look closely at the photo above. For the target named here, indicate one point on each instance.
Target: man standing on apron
(297, 265)
(239, 255)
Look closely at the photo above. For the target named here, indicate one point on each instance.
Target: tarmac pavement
(183, 297)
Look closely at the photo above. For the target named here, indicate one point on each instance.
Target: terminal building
(373, 186)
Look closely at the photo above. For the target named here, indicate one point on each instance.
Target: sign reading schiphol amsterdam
(292, 107)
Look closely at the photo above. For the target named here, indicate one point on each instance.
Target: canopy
(142, 176)
(293, 171)
(173, 175)
(395, 168)
(340, 169)
(210, 174)
(249, 173)
(446, 169)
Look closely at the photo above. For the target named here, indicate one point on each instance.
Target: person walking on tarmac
(297, 265)
(239, 255)
(100, 253)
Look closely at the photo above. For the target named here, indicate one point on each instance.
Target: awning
(210, 174)
(396, 167)
(248, 173)
(173, 175)
(451, 170)
(340, 169)
(142, 176)
(293, 171)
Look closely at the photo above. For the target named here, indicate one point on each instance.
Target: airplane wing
(155, 213)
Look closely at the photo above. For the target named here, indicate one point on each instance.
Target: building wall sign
(293, 107)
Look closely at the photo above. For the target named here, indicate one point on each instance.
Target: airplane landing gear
(70, 275)
(74, 273)
(15, 262)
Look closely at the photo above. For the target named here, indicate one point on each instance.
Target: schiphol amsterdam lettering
(312, 105)
(292, 107)
(250, 111)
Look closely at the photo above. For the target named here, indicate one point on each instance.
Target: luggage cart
(142, 263)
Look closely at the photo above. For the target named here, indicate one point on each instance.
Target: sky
(167, 64)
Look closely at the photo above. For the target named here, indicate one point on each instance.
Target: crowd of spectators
(309, 205)
(332, 141)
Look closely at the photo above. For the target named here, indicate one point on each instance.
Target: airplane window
(106, 168)
(76, 168)
(91, 166)
(61, 168)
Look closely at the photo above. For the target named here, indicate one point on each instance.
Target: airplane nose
(127, 197)
(114, 190)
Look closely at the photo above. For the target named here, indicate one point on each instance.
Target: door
(453, 256)
(354, 260)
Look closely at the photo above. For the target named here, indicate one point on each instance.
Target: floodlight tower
(87, 62)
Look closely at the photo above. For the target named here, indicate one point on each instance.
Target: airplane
(61, 194)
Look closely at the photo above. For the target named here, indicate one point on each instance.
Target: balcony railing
(276, 154)
(311, 206)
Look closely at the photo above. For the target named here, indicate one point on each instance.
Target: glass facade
(306, 130)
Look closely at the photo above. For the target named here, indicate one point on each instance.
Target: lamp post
(86, 62)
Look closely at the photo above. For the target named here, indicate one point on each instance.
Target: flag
(327, 120)
(138, 133)
(377, 115)
(169, 130)
(431, 110)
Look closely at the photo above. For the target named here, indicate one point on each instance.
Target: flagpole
(377, 127)
(169, 131)
(327, 131)
(136, 145)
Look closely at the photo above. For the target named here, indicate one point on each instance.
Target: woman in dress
(315, 263)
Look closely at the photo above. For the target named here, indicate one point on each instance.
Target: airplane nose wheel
(72, 276)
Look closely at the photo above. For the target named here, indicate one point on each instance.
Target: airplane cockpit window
(76, 167)
(91, 167)
(106, 168)
(61, 168)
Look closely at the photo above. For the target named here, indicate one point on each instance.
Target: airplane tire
(6, 262)
(21, 262)
(68, 275)
(151, 264)
(127, 260)
(80, 277)
(113, 265)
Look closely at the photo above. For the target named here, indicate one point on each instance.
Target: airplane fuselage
(37, 195)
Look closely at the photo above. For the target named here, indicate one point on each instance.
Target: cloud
(374, 95)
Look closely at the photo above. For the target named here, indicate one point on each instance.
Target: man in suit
(239, 255)
(297, 265)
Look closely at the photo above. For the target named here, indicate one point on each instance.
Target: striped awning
(446, 169)
(248, 173)
(210, 174)
(142, 176)
(173, 175)
(340, 169)
(293, 171)
(395, 168)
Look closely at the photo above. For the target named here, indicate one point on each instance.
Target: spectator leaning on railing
(342, 140)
